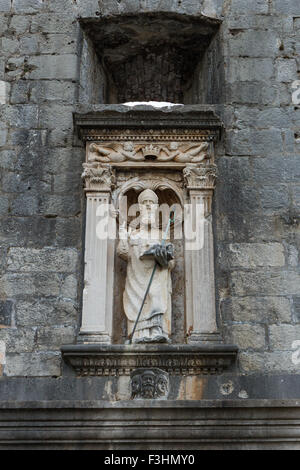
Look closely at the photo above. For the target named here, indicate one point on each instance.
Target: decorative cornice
(115, 360)
(94, 122)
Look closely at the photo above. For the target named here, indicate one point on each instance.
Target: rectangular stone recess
(109, 169)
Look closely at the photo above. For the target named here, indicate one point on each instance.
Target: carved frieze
(149, 383)
(98, 177)
(123, 360)
(178, 152)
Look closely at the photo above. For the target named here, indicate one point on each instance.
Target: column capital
(200, 177)
(98, 177)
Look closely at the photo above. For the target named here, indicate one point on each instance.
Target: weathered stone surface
(53, 67)
(6, 312)
(47, 259)
(282, 337)
(259, 310)
(270, 362)
(251, 255)
(248, 336)
(33, 364)
(265, 283)
(18, 340)
(45, 311)
(52, 337)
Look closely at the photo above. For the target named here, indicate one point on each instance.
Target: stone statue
(142, 248)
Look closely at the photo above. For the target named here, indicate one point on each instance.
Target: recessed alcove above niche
(157, 57)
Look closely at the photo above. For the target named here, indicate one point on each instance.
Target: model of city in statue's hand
(142, 249)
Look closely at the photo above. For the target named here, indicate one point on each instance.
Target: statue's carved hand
(161, 253)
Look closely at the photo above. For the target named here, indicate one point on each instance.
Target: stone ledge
(116, 360)
(145, 117)
(228, 424)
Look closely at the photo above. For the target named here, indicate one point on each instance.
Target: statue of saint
(142, 248)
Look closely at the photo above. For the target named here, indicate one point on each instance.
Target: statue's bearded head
(148, 204)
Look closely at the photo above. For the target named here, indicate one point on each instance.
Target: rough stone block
(270, 363)
(251, 255)
(286, 70)
(20, 92)
(34, 231)
(244, 6)
(58, 43)
(29, 45)
(261, 309)
(51, 338)
(55, 116)
(247, 336)
(3, 137)
(17, 284)
(6, 312)
(55, 23)
(4, 92)
(274, 198)
(251, 142)
(53, 90)
(27, 6)
(68, 232)
(69, 288)
(281, 337)
(48, 259)
(25, 205)
(5, 5)
(19, 24)
(33, 364)
(65, 206)
(53, 67)
(288, 7)
(250, 69)
(18, 340)
(45, 312)
(253, 43)
(265, 283)
(9, 46)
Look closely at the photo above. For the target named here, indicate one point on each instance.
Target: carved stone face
(148, 207)
(162, 385)
(135, 385)
(148, 384)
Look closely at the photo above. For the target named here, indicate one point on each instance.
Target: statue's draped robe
(155, 319)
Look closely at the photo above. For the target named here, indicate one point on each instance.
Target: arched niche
(169, 194)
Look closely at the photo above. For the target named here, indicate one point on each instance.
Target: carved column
(199, 255)
(97, 305)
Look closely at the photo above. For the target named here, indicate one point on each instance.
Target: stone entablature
(119, 360)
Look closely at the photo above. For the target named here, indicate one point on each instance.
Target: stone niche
(156, 56)
(170, 151)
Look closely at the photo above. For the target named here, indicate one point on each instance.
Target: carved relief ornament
(161, 152)
(98, 177)
(200, 177)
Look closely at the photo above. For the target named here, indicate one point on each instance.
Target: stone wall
(47, 65)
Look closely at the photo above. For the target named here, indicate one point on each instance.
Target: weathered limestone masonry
(248, 70)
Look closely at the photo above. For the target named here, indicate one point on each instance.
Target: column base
(197, 337)
(93, 338)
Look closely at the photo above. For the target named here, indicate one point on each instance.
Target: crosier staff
(171, 220)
